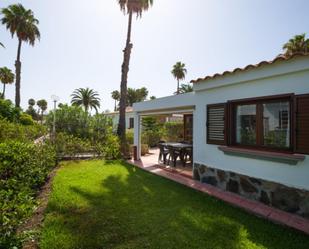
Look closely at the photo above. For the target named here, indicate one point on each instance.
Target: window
(131, 123)
(264, 122)
(216, 124)
(246, 124)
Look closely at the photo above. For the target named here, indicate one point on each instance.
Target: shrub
(26, 119)
(173, 131)
(19, 132)
(8, 111)
(23, 169)
(151, 137)
(130, 136)
(68, 145)
(110, 148)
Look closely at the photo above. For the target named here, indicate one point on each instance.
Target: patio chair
(163, 153)
(173, 155)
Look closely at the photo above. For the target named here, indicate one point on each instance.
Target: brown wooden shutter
(216, 124)
(301, 124)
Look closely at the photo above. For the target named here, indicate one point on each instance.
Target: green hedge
(23, 170)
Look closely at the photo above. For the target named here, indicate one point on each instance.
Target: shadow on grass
(140, 210)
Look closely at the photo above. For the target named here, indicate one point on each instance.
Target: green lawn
(114, 205)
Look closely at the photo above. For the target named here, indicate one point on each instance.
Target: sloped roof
(280, 57)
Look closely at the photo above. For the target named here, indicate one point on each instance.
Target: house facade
(250, 130)
(115, 118)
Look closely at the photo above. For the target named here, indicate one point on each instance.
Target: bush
(18, 132)
(151, 138)
(8, 111)
(26, 119)
(23, 169)
(110, 148)
(130, 136)
(68, 145)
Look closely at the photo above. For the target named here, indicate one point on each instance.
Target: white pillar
(137, 134)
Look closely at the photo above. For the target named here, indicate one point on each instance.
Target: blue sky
(82, 42)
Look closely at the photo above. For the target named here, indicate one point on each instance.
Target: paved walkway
(257, 208)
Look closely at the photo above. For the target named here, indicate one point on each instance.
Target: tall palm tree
(6, 77)
(129, 7)
(116, 97)
(88, 98)
(297, 44)
(22, 23)
(179, 72)
(42, 104)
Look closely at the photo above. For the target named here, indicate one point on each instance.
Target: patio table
(181, 147)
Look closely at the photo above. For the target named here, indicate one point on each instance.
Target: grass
(96, 204)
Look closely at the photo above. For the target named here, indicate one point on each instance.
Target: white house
(250, 130)
(115, 118)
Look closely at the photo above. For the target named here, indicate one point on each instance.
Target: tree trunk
(42, 117)
(3, 92)
(123, 89)
(177, 86)
(115, 109)
(18, 72)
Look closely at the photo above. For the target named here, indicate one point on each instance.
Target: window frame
(259, 101)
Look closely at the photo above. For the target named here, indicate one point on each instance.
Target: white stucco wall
(298, 83)
(115, 118)
(280, 78)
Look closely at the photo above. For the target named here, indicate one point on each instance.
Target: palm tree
(31, 102)
(186, 88)
(115, 96)
(42, 104)
(129, 7)
(179, 72)
(6, 77)
(21, 22)
(298, 44)
(88, 98)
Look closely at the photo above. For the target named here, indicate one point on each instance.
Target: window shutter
(216, 124)
(301, 124)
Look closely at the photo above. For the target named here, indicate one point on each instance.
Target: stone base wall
(273, 194)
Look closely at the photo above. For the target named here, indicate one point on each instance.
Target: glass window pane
(277, 124)
(246, 124)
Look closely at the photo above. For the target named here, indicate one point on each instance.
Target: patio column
(137, 134)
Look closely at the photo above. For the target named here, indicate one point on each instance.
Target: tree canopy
(297, 44)
(88, 98)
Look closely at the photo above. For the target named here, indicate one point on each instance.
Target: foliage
(23, 169)
(173, 131)
(15, 131)
(31, 102)
(186, 88)
(79, 132)
(115, 96)
(8, 111)
(32, 112)
(22, 23)
(179, 72)
(109, 148)
(26, 119)
(71, 120)
(6, 77)
(68, 145)
(88, 98)
(136, 95)
(111, 204)
(297, 44)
